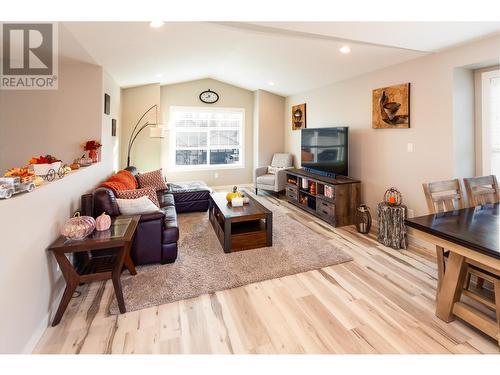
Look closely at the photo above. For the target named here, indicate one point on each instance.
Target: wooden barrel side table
(391, 225)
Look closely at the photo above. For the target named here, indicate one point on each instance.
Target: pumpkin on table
(234, 194)
(103, 222)
(78, 227)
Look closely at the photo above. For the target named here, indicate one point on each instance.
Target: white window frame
(486, 150)
(200, 167)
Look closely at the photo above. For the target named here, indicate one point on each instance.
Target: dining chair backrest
(443, 196)
(482, 190)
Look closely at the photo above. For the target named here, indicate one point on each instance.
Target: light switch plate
(409, 147)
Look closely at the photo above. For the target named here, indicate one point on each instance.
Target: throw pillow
(137, 193)
(153, 179)
(123, 180)
(142, 205)
(274, 170)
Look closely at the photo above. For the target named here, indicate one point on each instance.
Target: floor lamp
(156, 130)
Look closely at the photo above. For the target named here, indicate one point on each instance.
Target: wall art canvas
(391, 107)
(107, 104)
(299, 116)
(113, 127)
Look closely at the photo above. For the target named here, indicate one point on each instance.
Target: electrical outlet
(216, 175)
(409, 147)
(411, 213)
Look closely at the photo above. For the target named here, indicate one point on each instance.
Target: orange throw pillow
(123, 180)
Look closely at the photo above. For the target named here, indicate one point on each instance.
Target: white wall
(378, 156)
(186, 94)
(146, 151)
(30, 284)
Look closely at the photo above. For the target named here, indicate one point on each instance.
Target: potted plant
(92, 147)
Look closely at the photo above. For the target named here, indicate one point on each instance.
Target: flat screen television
(326, 150)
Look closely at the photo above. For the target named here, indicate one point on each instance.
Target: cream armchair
(273, 178)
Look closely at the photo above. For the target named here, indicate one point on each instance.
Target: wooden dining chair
(482, 190)
(443, 196)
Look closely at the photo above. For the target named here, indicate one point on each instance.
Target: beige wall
(478, 86)
(186, 94)
(146, 152)
(30, 282)
(54, 121)
(379, 157)
(268, 127)
(463, 123)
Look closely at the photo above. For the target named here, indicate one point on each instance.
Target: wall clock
(209, 97)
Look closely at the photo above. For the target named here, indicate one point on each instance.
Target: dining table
(472, 237)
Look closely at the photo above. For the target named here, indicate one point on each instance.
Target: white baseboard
(42, 326)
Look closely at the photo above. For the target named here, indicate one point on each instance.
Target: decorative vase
(93, 155)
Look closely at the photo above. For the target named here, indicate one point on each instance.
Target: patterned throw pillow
(153, 179)
(274, 170)
(137, 193)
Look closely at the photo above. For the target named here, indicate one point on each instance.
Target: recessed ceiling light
(270, 83)
(156, 24)
(159, 75)
(345, 49)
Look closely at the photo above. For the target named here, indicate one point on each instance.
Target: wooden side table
(105, 254)
(391, 225)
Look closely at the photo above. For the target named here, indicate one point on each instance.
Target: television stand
(333, 200)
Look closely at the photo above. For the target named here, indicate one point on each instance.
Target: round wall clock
(209, 97)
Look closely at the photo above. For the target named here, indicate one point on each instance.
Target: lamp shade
(156, 132)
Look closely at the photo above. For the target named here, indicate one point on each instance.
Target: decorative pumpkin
(393, 197)
(235, 194)
(38, 181)
(74, 166)
(103, 222)
(78, 227)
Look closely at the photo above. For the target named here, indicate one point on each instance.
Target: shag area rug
(203, 267)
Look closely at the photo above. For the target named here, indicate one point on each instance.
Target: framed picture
(299, 116)
(107, 104)
(113, 127)
(391, 107)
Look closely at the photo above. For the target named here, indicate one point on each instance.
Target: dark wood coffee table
(240, 228)
(102, 256)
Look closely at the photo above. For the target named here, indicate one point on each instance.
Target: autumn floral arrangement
(47, 159)
(92, 147)
(43, 164)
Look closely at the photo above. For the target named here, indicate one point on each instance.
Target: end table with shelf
(102, 256)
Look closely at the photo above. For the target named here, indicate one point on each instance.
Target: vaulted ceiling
(281, 57)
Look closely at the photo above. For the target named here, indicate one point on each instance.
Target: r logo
(27, 49)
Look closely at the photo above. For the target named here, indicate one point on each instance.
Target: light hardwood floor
(382, 302)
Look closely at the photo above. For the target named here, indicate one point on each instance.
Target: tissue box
(237, 202)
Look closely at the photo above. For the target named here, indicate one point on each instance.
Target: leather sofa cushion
(166, 199)
(171, 230)
(105, 201)
(189, 191)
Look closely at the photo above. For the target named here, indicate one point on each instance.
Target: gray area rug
(203, 267)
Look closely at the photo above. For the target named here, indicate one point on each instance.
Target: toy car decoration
(13, 185)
